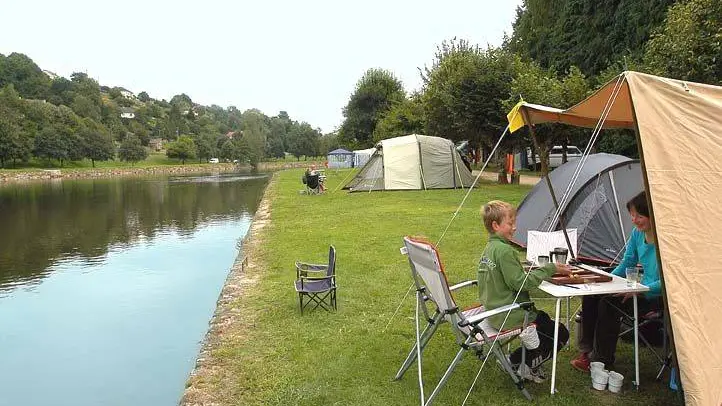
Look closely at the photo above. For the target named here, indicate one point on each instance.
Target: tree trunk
(544, 158)
(92, 161)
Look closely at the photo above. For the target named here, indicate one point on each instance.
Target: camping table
(616, 285)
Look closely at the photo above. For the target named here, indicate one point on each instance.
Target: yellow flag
(516, 120)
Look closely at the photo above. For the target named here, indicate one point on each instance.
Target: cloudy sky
(304, 57)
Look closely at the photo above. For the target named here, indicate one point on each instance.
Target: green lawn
(348, 357)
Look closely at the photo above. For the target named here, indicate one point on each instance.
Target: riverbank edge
(227, 317)
(34, 175)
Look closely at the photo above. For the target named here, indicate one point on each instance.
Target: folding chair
(471, 328)
(316, 283)
(651, 318)
(313, 184)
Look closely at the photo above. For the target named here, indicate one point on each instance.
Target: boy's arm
(514, 274)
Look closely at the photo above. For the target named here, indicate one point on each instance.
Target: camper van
(555, 156)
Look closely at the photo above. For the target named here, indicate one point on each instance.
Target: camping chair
(316, 283)
(647, 323)
(471, 328)
(313, 183)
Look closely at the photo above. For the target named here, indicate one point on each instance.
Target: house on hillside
(126, 93)
(156, 144)
(51, 75)
(127, 112)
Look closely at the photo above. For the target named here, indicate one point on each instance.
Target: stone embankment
(89, 173)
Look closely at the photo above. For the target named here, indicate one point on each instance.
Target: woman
(597, 338)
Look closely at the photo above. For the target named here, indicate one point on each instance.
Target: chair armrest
(463, 285)
(303, 266)
(316, 278)
(476, 319)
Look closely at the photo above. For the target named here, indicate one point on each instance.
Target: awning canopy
(679, 127)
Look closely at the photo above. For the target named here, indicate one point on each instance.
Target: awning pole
(551, 189)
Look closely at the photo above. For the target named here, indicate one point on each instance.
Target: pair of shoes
(535, 375)
(581, 363)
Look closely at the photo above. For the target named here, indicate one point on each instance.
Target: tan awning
(680, 130)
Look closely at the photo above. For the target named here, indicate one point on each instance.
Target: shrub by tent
(412, 162)
(678, 126)
(596, 206)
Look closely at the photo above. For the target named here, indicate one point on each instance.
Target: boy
(501, 277)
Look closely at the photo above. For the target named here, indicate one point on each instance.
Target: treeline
(559, 52)
(55, 119)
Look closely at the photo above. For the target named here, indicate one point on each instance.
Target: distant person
(600, 318)
(502, 277)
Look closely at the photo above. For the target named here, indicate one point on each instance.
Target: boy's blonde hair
(495, 210)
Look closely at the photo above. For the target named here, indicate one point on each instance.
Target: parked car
(555, 156)
(213, 161)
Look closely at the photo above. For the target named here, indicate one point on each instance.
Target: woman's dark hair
(639, 202)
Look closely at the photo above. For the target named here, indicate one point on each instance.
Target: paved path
(493, 176)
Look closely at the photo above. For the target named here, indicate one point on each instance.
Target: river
(107, 285)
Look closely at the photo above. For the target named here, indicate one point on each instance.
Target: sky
(303, 57)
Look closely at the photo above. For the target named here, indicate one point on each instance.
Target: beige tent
(679, 130)
(412, 162)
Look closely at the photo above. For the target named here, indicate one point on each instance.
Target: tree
(131, 150)
(143, 96)
(589, 34)
(205, 147)
(376, 93)
(183, 148)
(303, 140)
(50, 144)
(28, 79)
(688, 45)
(464, 93)
(97, 143)
(541, 86)
(404, 118)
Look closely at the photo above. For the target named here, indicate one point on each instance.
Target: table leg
(554, 348)
(568, 322)
(636, 343)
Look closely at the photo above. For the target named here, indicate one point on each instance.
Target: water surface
(107, 286)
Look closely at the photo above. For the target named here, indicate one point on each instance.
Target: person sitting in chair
(502, 277)
(600, 318)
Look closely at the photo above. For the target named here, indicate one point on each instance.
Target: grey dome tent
(412, 162)
(596, 206)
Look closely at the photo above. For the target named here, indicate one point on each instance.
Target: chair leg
(300, 300)
(448, 372)
(426, 335)
(509, 370)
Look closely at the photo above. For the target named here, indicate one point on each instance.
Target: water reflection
(80, 221)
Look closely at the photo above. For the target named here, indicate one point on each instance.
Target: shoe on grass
(581, 363)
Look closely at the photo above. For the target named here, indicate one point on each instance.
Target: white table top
(616, 285)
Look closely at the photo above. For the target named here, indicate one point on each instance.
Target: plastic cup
(542, 260)
(598, 366)
(615, 381)
(632, 277)
(600, 378)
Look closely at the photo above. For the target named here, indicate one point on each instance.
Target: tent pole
(616, 203)
(551, 189)
(456, 166)
(421, 164)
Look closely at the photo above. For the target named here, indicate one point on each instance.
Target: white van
(213, 161)
(555, 156)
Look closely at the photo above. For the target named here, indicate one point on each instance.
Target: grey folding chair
(471, 327)
(316, 283)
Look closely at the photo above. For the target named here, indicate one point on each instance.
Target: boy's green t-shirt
(501, 275)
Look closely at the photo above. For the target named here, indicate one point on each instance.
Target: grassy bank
(272, 355)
